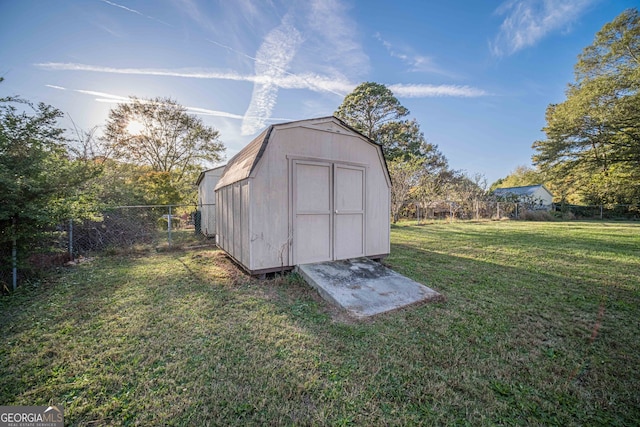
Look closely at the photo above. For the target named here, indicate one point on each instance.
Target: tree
(369, 107)
(594, 135)
(521, 176)
(405, 175)
(417, 167)
(41, 178)
(373, 110)
(160, 134)
(403, 139)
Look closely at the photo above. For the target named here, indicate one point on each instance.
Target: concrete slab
(363, 287)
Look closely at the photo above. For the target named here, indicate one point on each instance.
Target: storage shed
(206, 183)
(303, 192)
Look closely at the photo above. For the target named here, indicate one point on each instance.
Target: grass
(539, 327)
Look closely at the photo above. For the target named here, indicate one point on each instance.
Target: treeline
(151, 150)
(420, 173)
(591, 154)
(150, 153)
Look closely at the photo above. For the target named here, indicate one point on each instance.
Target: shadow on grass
(185, 338)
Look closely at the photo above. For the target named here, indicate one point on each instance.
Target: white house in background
(536, 196)
(206, 183)
(302, 192)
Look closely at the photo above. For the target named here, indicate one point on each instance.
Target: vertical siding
(233, 221)
(270, 199)
(254, 217)
(218, 206)
(207, 200)
(224, 225)
(378, 207)
(244, 231)
(237, 222)
(343, 148)
(208, 221)
(230, 224)
(269, 215)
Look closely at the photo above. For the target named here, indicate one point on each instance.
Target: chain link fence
(463, 210)
(131, 227)
(117, 229)
(477, 210)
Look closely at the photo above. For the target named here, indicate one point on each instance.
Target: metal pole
(70, 233)
(498, 204)
(516, 211)
(14, 257)
(600, 211)
(169, 226)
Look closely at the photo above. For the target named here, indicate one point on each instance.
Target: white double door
(328, 211)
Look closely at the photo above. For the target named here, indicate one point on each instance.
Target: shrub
(536, 216)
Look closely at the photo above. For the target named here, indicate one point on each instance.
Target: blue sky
(476, 74)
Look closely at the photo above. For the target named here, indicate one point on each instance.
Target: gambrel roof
(204, 173)
(242, 164)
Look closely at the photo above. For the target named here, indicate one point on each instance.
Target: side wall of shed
(206, 199)
(232, 224)
(271, 234)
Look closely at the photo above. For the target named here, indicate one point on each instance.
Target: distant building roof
(527, 190)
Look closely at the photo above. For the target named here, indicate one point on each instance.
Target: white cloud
(136, 12)
(114, 98)
(274, 76)
(427, 91)
(330, 45)
(332, 38)
(118, 99)
(416, 62)
(272, 61)
(528, 21)
(122, 7)
(286, 80)
(180, 72)
(56, 87)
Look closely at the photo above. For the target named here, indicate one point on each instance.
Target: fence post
(70, 234)
(601, 211)
(498, 206)
(169, 226)
(517, 210)
(14, 257)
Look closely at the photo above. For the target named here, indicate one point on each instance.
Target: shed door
(328, 211)
(349, 212)
(312, 201)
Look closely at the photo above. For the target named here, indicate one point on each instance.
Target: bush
(536, 216)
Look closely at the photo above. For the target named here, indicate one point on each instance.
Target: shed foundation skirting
(283, 269)
(256, 273)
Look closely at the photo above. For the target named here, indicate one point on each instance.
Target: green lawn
(539, 327)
